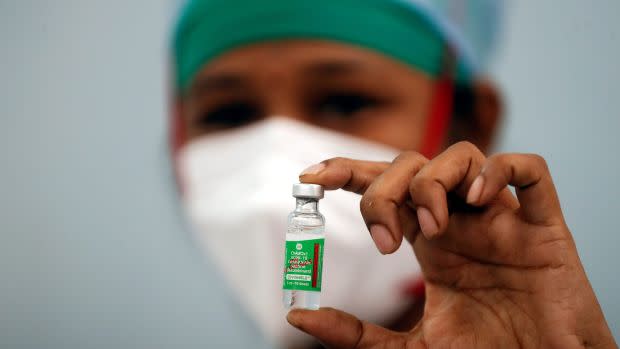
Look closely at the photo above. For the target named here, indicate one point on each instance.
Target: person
(264, 88)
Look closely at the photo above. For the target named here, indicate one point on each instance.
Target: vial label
(303, 265)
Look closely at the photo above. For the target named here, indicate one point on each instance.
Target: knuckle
(466, 146)
(499, 160)
(373, 201)
(366, 204)
(336, 161)
(410, 156)
(538, 161)
(418, 183)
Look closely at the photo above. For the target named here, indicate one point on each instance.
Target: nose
(282, 93)
(287, 114)
(283, 103)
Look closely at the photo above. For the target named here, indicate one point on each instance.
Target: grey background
(558, 66)
(92, 252)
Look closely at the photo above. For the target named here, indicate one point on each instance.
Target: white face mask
(237, 192)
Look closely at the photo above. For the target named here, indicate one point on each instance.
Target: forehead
(301, 55)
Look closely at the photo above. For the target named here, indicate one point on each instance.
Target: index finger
(343, 173)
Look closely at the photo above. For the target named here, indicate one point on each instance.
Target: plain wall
(93, 250)
(82, 114)
(558, 67)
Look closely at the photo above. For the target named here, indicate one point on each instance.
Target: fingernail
(314, 169)
(475, 191)
(382, 237)
(292, 318)
(427, 222)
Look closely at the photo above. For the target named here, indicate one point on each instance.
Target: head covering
(415, 32)
(477, 22)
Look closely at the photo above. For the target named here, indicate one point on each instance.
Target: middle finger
(454, 170)
(382, 203)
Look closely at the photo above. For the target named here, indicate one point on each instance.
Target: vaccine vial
(303, 258)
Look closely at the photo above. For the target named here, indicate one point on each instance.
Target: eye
(343, 105)
(229, 115)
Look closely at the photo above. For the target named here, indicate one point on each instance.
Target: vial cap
(310, 191)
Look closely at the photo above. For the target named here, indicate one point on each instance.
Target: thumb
(337, 329)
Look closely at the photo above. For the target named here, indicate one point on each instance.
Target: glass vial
(303, 259)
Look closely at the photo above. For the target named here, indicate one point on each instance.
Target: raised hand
(501, 271)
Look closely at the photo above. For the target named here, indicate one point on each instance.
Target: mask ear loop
(440, 112)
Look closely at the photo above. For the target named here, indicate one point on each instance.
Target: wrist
(599, 337)
(585, 325)
(594, 329)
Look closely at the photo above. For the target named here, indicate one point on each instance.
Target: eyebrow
(335, 67)
(236, 80)
(218, 81)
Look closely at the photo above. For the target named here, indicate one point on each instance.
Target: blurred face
(330, 85)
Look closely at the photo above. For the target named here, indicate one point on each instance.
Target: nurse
(265, 88)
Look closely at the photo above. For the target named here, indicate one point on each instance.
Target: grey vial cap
(309, 191)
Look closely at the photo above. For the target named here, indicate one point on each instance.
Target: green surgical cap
(412, 31)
